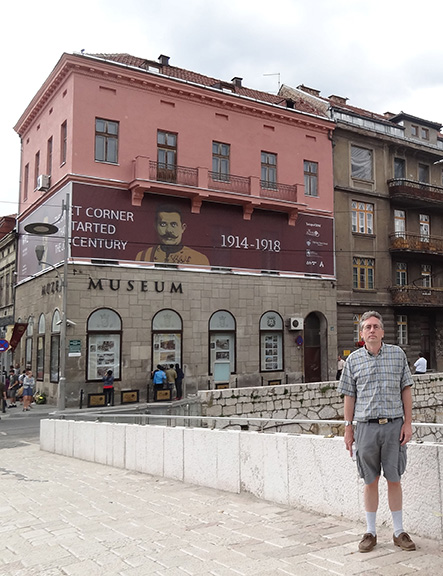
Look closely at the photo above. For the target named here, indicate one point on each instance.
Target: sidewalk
(61, 516)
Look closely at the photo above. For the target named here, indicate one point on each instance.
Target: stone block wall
(318, 401)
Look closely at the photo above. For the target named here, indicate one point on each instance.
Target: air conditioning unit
(43, 182)
(296, 323)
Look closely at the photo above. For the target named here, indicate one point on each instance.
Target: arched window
(104, 344)
(54, 359)
(167, 338)
(40, 372)
(28, 343)
(222, 340)
(271, 342)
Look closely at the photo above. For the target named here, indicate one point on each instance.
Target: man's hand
(349, 439)
(405, 434)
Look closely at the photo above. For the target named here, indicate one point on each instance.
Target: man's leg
(369, 539)
(395, 500)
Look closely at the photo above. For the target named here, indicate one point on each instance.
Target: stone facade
(318, 401)
(136, 295)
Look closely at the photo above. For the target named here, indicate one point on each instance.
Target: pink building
(200, 232)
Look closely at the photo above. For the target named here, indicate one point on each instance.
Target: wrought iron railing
(411, 295)
(415, 242)
(229, 183)
(414, 188)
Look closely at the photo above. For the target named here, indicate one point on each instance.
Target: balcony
(199, 184)
(415, 243)
(416, 296)
(413, 193)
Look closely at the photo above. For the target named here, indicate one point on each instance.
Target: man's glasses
(367, 327)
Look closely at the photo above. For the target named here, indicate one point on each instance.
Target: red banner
(17, 333)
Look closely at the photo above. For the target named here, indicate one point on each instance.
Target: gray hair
(370, 314)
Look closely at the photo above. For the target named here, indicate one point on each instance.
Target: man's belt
(380, 420)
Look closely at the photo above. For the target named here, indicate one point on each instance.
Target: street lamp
(45, 229)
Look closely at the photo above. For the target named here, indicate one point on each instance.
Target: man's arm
(406, 429)
(349, 415)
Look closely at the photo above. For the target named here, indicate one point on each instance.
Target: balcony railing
(415, 191)
(278, 190)
(404, 241)
(229, 183)
(411, 295)
(173, 174)
(184, 176)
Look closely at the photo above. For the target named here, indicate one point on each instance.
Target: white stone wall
(318, 401)
(304, 471)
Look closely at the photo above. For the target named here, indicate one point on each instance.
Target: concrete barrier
(304, 471)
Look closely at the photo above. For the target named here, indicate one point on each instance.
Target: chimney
(163, 60)
(237, 81)
(389, 115)
(308, 90)
(338, 99)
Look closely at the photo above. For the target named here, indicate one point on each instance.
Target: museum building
(166, 217)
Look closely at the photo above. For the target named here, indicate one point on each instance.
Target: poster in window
(167, 348)
(104, 355)
(271, 352)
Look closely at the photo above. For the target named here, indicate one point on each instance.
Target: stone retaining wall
(318, 401)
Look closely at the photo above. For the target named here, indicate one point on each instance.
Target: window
(106, 141)
(362, 217)
(363, 273)
(222, 343)
(414, 131)
(54, 359)
(220, 161)
(271, 342)
(166, 156)
(424, 134)
(28, 342)
(400, 223)
(167, 338)
(361, 163)
(311, 178)
(26, 182)
(63, 142)
(37, 168)
(399, 168)
(7, 289)
(49, 157)
(402, 330)
(269, 170)
(356, 321)
(401, 274)
(423, 173)
(40, 372)
(425, 226)
(426, 275)
(104, 344)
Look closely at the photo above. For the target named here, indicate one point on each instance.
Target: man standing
(376, 383)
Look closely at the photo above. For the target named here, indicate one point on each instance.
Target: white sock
(370, 522)
(397, 518)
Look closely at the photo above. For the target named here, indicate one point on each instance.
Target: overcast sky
(383, 55)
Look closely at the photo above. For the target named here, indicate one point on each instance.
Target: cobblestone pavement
(61, 516)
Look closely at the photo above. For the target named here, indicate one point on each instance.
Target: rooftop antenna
(275, 74)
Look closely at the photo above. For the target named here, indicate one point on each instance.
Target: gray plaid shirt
(376, 382)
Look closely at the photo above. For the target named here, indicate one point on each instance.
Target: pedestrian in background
(12, 388)
(171, 375)
(179, 382)
(421, 364)
(28, 389)
(376, 384)
(108, 388)
(340, 366)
